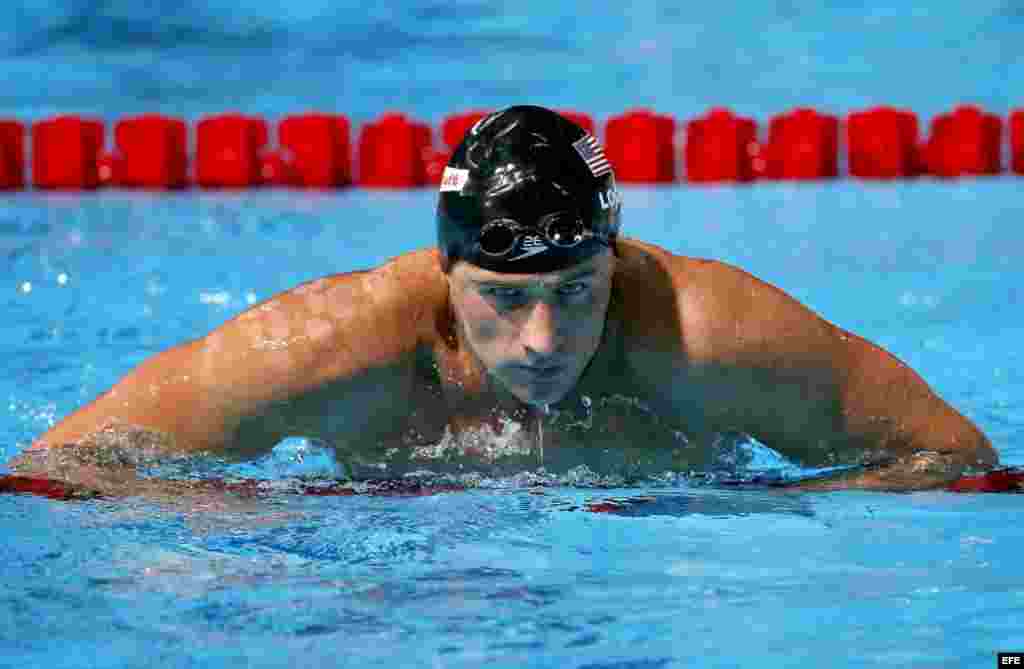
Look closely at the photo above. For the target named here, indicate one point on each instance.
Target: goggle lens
(498, 237)
(563, 230)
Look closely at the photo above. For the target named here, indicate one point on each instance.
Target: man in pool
(534, 312)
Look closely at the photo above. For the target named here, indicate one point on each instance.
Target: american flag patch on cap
(593, 155)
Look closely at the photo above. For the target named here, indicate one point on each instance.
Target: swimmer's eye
(511, 296)
(574, 288)
(503, 293)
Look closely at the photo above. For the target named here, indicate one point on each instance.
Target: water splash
(499, 455)
(546, 408)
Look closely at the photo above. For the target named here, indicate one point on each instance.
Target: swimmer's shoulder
(644, 263)
(707, 309)
(341, 325)
(647, 263)
(418, 289)
(657, 284)
(415, 273)
(410, 288)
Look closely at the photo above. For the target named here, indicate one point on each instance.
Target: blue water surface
(432, 57)
(507, 575)
(499, 576)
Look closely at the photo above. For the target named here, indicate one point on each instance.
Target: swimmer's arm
(922, 441)
(811, 389)
(194, 396)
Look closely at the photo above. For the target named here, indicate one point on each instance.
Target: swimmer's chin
(536, 395)
(539, 398)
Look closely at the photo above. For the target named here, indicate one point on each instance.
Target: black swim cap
(526, 191)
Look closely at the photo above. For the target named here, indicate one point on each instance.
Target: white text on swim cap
(609, 199)
(453, 179)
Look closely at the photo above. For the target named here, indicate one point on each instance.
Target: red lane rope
(42, 487)
(316, 150)
(62, 490)
(1010, 479)
(1006, 480)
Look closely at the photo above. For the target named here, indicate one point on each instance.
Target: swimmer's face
(534, 333)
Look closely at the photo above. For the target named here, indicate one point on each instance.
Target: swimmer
(533, 304)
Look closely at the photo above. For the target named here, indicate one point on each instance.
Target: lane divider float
(1002, 480)
(315, 150)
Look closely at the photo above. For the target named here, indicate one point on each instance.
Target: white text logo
(532, 245)
(609, 199)
(453, 179)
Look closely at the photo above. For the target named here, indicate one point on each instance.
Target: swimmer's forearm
(159, 397)
(81, 475)
(888, 407)
(887, 479)
(919, 470)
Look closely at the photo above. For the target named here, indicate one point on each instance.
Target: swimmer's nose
(542, 333)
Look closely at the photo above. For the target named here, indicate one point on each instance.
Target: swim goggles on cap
(562, 230)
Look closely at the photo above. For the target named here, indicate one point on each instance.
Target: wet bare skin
(665, 346)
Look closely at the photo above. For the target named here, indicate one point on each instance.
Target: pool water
(501, 576)
(508, 574)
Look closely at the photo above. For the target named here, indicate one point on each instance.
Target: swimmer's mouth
(542, 373)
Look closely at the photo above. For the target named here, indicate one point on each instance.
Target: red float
(639, 145)
(1017, 141)
(802, 145)
(12, 155)
(228, 151)
(109, 168)
(153, 152)
(964, 143)
(319, 148)
(1007, 479)
(52, 488)
(65, 152)
(276, 170)
(882, 143)
(393, 152)
(721, 147)
(435, 163)
(455, 127)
